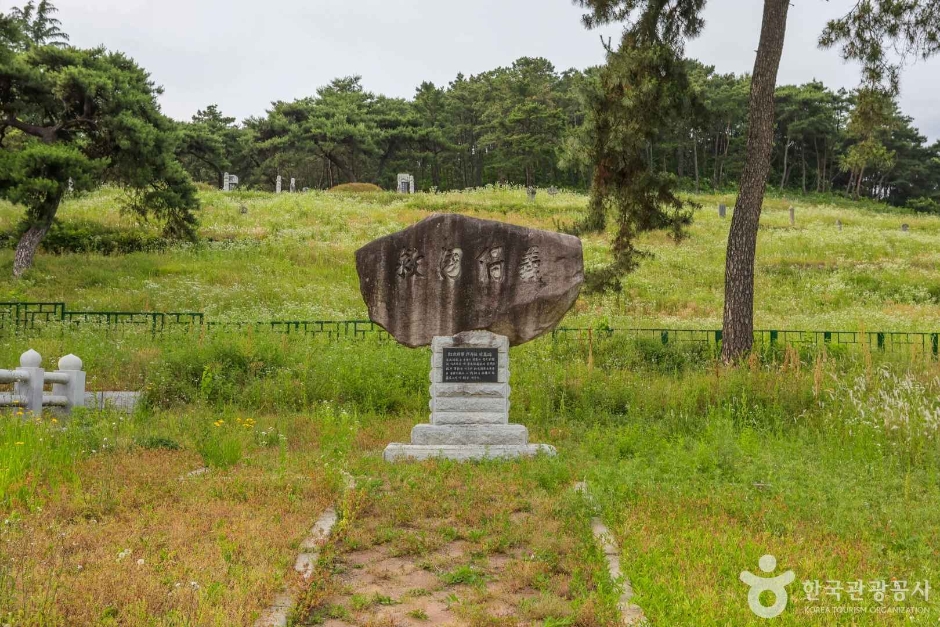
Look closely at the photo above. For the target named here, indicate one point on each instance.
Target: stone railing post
(30, 389)
(74, 389)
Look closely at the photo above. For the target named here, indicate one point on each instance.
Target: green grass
(290, 257)
(831, 462)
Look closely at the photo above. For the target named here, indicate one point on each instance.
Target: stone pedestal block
(469, 404)
(469, 434)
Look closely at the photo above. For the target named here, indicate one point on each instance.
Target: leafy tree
(524, 121)
(867, 33)
(209, 145)
(638, 93)
(869, 123)
(37, 26)
(430, 106)
(84, 115)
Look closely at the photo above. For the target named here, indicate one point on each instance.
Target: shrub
(923, 205)
(90, 237)
(356, 188)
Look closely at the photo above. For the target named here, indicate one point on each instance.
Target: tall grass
(292, 257)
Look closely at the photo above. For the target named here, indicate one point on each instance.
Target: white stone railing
(30, 379)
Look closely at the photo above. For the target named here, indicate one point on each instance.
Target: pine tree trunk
(738, 327)
(695, 162)
(818, 166)
(724, 156)
(803, 160)
(715, 163)
(858, 183)
(29, 242)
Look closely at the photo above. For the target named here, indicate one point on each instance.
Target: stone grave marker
(277, 184)
(839, 224)
(530, 193)
(229, 182)
(71, 186)
(553, 191)
(469, 288)
(905, 227)
(722, 210)
(792, 216)
(293, 185)
(406, 184)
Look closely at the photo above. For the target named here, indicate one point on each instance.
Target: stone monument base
(464, 452)
(469, 404)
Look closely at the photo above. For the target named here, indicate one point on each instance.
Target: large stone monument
(469, 288)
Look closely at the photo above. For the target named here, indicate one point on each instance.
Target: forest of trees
(523, 125)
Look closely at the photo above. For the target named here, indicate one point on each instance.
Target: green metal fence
(884, 341)
(20, 316)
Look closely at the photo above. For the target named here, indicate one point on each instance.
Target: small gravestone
(530, 193)
(277, 184)
(229, 182)
(905, 228)
(406, 184)
(839, 224)
(242, 209)
(469, 288)
(721, 210)
(305, 190)
(553, 191)
(293, 185)
(792, 216)
(71, 186)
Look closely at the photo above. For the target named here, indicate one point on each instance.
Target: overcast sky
(243, 54)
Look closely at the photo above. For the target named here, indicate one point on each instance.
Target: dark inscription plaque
(471, 365)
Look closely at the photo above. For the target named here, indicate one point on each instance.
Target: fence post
(30, 390)
(74, 390)
(934, 344)
(881, 340)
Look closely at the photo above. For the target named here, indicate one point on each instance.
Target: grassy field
(291, 257)
(828, 460)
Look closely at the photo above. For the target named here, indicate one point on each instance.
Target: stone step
(474, 390)
(462, 403)
(398, 452)
(469, 418)
(425, 434)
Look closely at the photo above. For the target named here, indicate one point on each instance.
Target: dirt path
(449, 544)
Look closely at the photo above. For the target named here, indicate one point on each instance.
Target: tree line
(525, 124)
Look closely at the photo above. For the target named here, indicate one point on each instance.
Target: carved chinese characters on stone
(410, 263)
(450, 263)
(529, 268)
(492, 265)
(492, 276)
